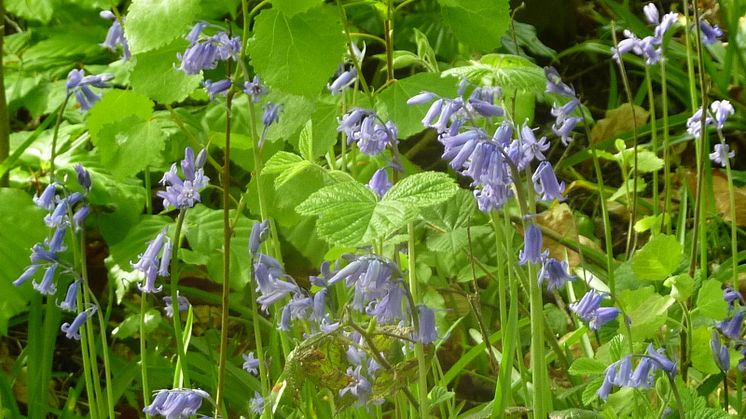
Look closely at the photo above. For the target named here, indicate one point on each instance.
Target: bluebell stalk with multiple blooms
(366, 129)
(650, 47)
(65, 211)
(589, 310)
(204, 52)
(184, 193)
(176, 403)
(621, 374)
(718, 113)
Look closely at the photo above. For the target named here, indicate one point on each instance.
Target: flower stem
(181, 375)
(653, 135)
(55, 135)
(143, 354)
(422, 367)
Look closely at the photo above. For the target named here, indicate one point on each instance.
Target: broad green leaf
(156, 76)
(587, 366)
(203, 228)
(116, 105)
(423, 189)
(21, 227)
(628, 188)
(450, 222)
(392, 101)
(130, 145)
(153, 23)
(305, 142)
(701, 353)
(509, 72)
(292, 7)
(647, 311)
(710, 302)
(38, 10)
(310, 44)
(657, 259)
(131, 325)
(477, 23)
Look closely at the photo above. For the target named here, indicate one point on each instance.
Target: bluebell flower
(389, 308)
(268, 274)
(731, 296)
(270, 116)
(710, 34)
(255, 89)
(204, 53)
(556, 85)
(195, 32)
(532, 246)
(426, 332)
(358, 386)
(184, 193)
(722, 109)
(720, 352)
(371, 277)
(343, 80)
(219, 87)
(366, 128)
(79, 217)
(694, 124)
(667, 22)
(149, 264)
(380, 183)
(57, 243)
(603, 315)
(546, 183)
(631, 43)
(660, 359)
(165, 263)
(732, 327)
(47, 286)
(325, 274)
(46, 199)
(69, 304)
(72, 330)
(641, 377)
(79, 85)
(296, 309)
(555, 272)
(26, 275)
(115, 35)
(651, 13)
(492, 197)
(650, 50)
(721, 154)
(531, 147)
(169, 306)
(58, 217)
(620, 374)
(39, 254)
(83, 176)
(319, 305)
(421, 98)
(585, 307)
(565, 129)
(257, 403)
(176, 403)
(326, 326)
(250, 364)
(259, 234)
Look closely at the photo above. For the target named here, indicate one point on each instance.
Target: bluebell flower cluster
(179, 193)
(178, 403)
(204, 52)
(115, 36)
(717, 115)
(621, 374)
(650, 47)
(79, 84)
(153, 266)
(366, 129)
(589, 309)
(564, 122)
(65, 211)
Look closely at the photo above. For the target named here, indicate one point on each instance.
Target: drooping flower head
(555, 273)
(380, 183)
(204, 52)
(169, 306)
(79, 84)
(366, 129)
(358, 386)
(532, 246)
(115, 35)
(255, 89)
(720, 352)
(177, 403)
(216, 88)
(149, 263)
(72, 330)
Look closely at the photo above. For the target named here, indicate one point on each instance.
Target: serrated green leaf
(587, 366)
(116, 105)
(283, 46)
(392, 101)
(710, 302)
(130, 145)
(646, 310)
(292, 7)
(657, 259)
(131, 325)
(156, 76)
(423, 189)
(305, 141)
(589, 393)
(477, 23)
(153, 23)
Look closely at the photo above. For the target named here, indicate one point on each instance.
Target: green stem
(733, 226)
(666, 148)
(358, 68)
(181, 374)
(418, 347)
(55, 134)
(4, 117)
(653, 135)
(148, 192)
(143, 353)
(388, 32)
(227, 233)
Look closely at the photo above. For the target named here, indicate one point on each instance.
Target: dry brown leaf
(618, 121)
(722, 198)
(560, 219)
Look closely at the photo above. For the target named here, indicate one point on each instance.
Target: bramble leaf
(153, 23)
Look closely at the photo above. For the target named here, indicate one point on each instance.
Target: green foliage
(451, 221)
(657, 259)
(155, 74)
(285, 45)
(477, 23)
(510, 72)
(21, 227)
(131, 325)
(154, 23)
(710, 301)
(587, 366)
(647, 311)
(350, 214)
